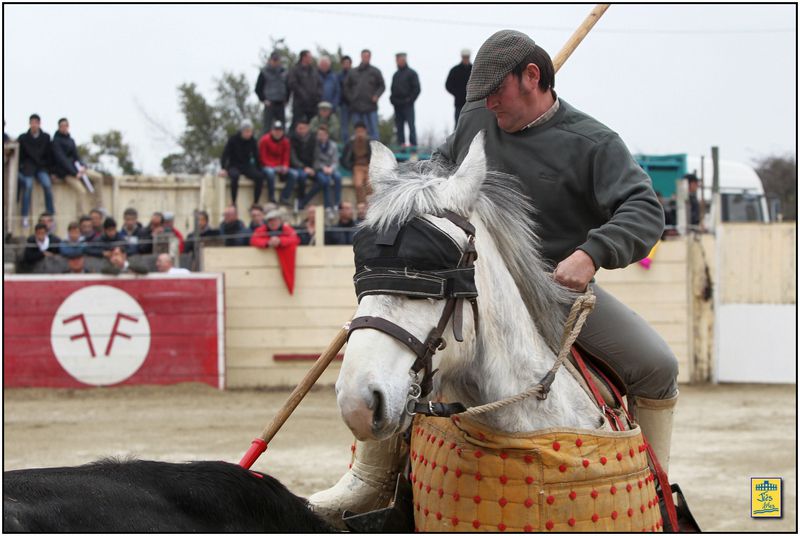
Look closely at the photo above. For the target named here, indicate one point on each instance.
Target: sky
(668, 78)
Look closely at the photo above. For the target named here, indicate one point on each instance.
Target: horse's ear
(464, 185)
(382, 163)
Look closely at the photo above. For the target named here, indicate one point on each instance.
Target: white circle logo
(100, 335)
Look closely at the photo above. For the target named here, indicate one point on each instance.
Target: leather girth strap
(663, 481)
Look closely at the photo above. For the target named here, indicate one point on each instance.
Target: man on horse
(595, 208)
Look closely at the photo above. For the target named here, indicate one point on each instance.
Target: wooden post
(573, 42)
(319, 226)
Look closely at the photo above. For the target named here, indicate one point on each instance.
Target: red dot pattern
(511, 488)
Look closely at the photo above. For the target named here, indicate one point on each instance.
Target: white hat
(465, 52)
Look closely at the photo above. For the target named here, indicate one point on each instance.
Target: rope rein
(572, 327)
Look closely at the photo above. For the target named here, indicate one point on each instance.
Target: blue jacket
(331, 90)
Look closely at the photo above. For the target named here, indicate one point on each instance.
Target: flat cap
(274, 213)
(324, 104)
(496, 58)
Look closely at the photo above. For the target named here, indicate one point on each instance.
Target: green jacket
(588, 191)
(333, 126)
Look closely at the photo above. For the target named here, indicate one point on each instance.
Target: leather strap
(390, 328)
(614, 420)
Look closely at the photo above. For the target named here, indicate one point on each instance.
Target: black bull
(148, 496)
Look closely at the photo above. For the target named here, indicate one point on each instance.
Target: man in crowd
(342, 232)
(614, 220)
(166, 265)
(48, 219)
(457, 78)
(363, 87)
(361, 212)
(330, 83)
(151, 232)
(101, 246)
(204, 230)
(232, 229)
(34, 163)
(73, 243)
(326, 116)
(131, 230)
(274, 233)
(307, 229)
(693, 184)
(98, 217)
(39, 245)
(275, 152)
(240, 157)
(87, 229)
(326, 158)
(355, 157)
(117, 263)
(272, 91)
(305, 87)
(256, 217)
(169, 227)
(344, 108)
(67, 165)
(303, 144)
(75, 261)
(405, 90)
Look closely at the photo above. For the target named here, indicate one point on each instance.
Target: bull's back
(145, 496)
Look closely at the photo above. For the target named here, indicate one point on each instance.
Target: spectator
(75, 261)
(694, 203)
(47, 219)
(274, 233)
(240, 157)
(6, 137)
(305, 87)
(232, 229)
(102, 245)
(256, 217)
(457, 78)
(275, 151)
(326, 116)
(361, 212)
(204, 230)
(87, 229)
(73, 243)
(131, 230)
(307, 228)
(149, 233)
(40, 245)
(405, 90)
(67, 165)
(330, 84)
(117, 263)
(326, 157)
(169, 227)
(34, 163)
(165, 265)
(97, 216)
(355, 157)
(303, 143)
(272, 90)
(342, 233)
(363, 87)
(344, 108)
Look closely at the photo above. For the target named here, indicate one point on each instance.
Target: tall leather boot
(655, 419)
(368, 484)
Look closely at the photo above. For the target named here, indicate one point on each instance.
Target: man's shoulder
(581, 124)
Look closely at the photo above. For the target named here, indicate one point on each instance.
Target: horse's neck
(508, 357)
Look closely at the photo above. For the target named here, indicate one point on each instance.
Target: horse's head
(412, 259)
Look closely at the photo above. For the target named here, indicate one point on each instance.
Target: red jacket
(274, 153)
(286, 250)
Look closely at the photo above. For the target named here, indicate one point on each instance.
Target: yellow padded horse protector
(467, 478)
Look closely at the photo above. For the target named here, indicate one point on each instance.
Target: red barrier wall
(94, 330)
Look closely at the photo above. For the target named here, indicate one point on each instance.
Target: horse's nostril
(377, 409)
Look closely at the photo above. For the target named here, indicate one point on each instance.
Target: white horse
(521, 309)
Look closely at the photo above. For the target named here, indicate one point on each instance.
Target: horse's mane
(417, 189)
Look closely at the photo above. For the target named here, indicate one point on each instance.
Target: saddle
(604, 379)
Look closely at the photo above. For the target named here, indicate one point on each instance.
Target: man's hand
(309, 171)
(223, 173)
(283, 169)
(266, 102)
(374, 98)
(274, 241)
(327, 170)
(575, 271)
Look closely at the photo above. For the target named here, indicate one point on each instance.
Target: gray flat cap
(496, 58)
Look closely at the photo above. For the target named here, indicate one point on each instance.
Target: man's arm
(450, 83)
(415, 87)
(624, 192)
(260, 86)
(381, 86)
(62, 159)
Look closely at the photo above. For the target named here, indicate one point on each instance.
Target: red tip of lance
(257, 447)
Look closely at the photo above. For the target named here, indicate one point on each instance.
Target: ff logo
(765, 497)
(100, 335)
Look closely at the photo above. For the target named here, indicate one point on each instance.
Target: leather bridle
(424, 351)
